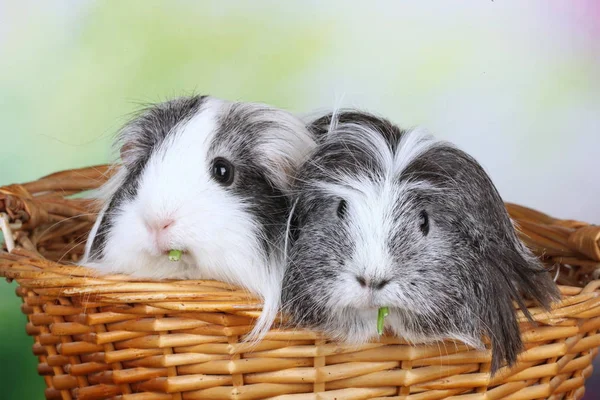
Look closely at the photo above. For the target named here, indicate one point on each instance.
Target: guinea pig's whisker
(77, 243)
(64, 220)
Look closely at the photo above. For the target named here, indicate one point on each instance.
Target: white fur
(102, 195)
(412, 145)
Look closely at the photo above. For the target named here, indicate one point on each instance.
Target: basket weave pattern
(114, 336)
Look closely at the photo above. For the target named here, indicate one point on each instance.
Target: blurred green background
(516, 84)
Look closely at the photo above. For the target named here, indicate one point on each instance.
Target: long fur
(232, 233)
(391, 218)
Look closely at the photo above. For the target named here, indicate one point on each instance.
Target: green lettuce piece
(383, 312)
(175, 255)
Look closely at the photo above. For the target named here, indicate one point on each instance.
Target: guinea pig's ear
(127, 152)
(128, 142)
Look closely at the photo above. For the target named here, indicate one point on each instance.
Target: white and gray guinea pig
(392, 218)
(211, 178)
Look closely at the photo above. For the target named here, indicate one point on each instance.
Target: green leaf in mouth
(383, 312)
(175, 255)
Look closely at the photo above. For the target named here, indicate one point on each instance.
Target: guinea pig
(210, 178)
(385, 217)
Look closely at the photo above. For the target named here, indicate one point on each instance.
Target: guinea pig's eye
(424, 222)
(341, 210)
(222, 171)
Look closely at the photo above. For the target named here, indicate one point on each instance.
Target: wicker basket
(112, 336)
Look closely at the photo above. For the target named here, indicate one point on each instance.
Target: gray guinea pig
(391, 218)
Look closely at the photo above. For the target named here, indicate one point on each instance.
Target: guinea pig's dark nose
(362, 281)
(372, 283)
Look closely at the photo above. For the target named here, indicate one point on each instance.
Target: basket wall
(115, 337)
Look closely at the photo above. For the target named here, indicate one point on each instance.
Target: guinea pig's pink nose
(159, 230)
(372, 283)
(159, 225)
(165, 224)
